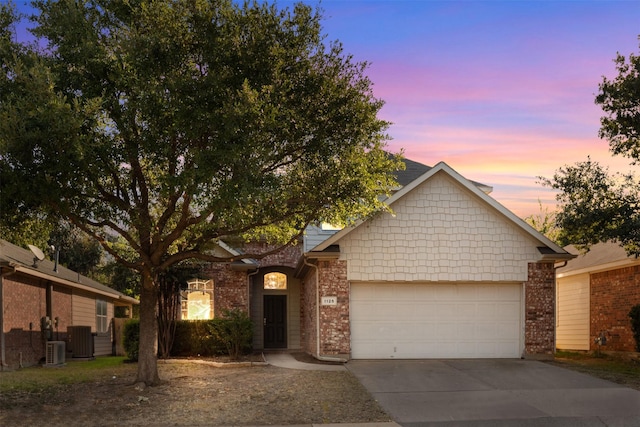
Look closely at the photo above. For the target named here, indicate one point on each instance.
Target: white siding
(572, 330)
(439, 232)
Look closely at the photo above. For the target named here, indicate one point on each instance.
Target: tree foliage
(545, 222)
(173, 124)
(596, 205)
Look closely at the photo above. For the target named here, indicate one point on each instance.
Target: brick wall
(23, 344)
(540, 310)
(613, 293)
(24, 340)
(230, 287)
(286, 257)
(335, 332)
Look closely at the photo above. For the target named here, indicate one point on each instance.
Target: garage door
(409, 321)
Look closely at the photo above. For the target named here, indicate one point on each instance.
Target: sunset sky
(503, 91)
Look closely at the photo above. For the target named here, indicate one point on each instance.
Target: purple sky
(503, 91)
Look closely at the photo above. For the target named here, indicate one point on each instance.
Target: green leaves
(597, 206)
(174, 124)
(620, 100)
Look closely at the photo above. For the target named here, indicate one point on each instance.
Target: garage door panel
(435, 321)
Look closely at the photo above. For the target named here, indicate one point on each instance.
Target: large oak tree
(177, 123)
(597, 206)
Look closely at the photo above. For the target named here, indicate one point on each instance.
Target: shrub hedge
(230, 334)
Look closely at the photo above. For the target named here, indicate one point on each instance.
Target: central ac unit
(55, 352)
(80, 341)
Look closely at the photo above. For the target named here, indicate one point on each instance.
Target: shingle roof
(601, 256)
(413, 170)
(15, 256)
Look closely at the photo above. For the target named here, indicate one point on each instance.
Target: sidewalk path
(286, 360)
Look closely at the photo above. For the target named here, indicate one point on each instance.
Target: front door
(275, 321)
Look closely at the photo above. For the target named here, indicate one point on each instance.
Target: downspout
(3, 359)
(318, 356)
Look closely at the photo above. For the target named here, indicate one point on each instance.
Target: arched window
(197, 300)
(275, 281)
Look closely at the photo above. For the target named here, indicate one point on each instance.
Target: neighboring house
(450, 273)
(41, 302)
(595, 294)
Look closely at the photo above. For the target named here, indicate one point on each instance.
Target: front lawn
(622, 368)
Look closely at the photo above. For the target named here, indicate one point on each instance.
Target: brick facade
(539, 330)
(286, 257)
(335, 332)
(613, 293)
(24, 339)
(230, 287)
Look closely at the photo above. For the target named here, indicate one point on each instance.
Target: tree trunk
(148, 352)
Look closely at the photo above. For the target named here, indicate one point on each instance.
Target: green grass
(36, 379)
(603, 364)
(571, 355)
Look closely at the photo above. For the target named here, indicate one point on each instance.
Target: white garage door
(413, 321)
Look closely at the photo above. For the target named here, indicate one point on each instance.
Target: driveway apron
(494, 392)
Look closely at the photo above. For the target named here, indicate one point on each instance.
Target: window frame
(102, 313)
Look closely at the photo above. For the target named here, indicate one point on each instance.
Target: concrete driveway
(494, 392)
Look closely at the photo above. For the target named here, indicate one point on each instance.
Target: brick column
(335, 331)
(539, 332)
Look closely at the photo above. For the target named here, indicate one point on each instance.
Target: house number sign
(329, 301)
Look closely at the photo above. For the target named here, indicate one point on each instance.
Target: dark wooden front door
(275, 321)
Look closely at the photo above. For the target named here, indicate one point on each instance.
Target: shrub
(131, 339)
(634, 314)
(192, 338)
(234, 330)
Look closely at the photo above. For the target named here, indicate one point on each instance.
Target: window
(275, 281)
(325, 226)
(197, 300)
(101, 316)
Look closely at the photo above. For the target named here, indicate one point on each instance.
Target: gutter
(3, 359)
(318, 356)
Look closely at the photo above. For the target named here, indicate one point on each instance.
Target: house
(595, 294)
(42, 303)
(450, 273)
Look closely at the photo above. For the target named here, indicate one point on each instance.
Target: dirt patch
(197, 393)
